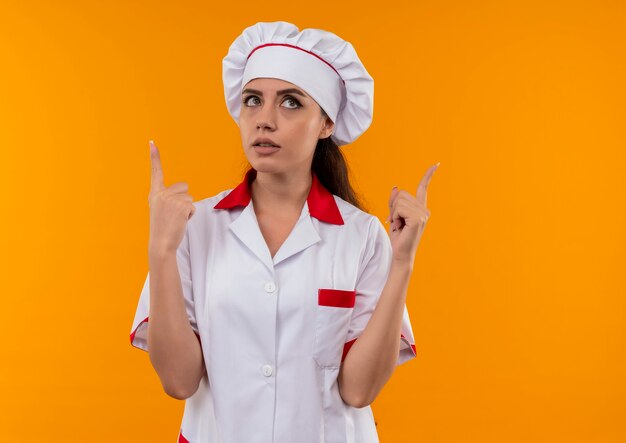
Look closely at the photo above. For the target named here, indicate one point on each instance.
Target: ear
(328, 128)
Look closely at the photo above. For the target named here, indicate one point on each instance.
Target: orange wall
(518, 296)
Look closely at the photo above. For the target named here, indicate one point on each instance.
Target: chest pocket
(332, 320)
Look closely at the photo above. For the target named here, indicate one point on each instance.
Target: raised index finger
(156, 176)
(421, 188)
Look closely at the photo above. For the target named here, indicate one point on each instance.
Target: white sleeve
(372, 277)
(139, 329)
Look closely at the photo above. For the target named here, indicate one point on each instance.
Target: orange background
(518, 296)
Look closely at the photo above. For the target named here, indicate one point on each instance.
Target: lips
(265, 141)
(266, 150)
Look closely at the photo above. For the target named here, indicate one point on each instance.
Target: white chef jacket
(274, 331)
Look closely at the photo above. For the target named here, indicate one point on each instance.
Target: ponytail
(331, 169)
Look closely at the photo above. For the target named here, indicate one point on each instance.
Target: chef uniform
(275, 330)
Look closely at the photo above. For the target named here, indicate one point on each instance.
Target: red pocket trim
(340, 298)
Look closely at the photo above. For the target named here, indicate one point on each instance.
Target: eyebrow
(282, 91)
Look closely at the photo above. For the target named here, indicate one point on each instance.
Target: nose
(264, 124)
(265, 117)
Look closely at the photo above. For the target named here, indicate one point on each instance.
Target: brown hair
(331, 169)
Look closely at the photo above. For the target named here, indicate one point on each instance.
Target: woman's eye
(293, 100)
(296, 103)
(246, 99)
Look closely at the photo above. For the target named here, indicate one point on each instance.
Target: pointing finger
(394, 191)
(421, 188)
(392, 198)
(156, 176)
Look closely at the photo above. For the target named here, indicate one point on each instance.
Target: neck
(280, 192)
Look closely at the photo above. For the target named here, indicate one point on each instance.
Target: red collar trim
(322, 204)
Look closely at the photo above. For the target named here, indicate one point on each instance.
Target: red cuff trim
(410, 344)
(346, 348)
(145, 320)
(348, 345)
(132, 335)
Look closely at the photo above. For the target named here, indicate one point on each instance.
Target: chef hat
(325, 66)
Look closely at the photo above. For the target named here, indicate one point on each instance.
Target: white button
(270, 286)
(267, 370)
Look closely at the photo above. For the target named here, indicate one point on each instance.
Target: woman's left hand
(408, 216)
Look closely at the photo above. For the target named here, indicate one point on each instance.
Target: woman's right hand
(170, 209)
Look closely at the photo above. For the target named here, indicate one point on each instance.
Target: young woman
(277, 308)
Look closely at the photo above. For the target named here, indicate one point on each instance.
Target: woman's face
(286, 115)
